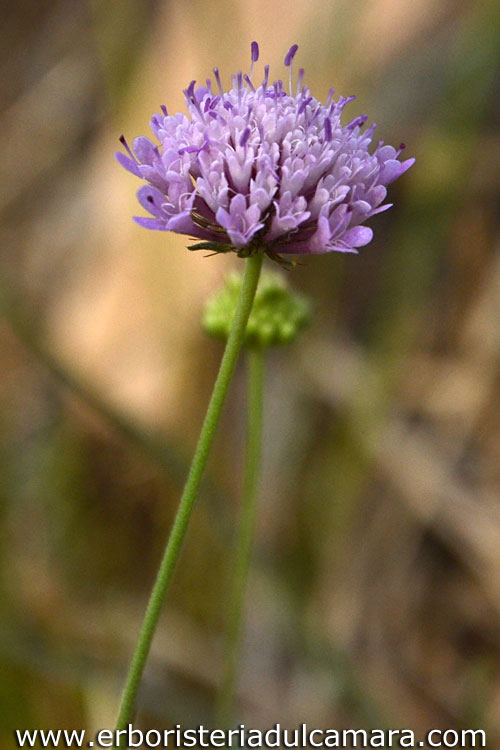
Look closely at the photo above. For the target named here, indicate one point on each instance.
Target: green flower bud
(277, 314)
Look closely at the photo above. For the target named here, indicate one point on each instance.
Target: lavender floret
(261, 168)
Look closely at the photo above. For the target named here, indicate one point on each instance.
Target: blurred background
(374, 599)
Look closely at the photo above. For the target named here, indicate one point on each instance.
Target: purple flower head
(259, 167)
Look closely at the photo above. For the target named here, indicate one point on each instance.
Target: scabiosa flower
(262, 168)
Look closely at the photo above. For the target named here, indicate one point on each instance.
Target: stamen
(240, 85)
(344, 100)
(164, 110)
(304, 105)
(288, 63)
(276, 92)
(266, 78)
(369, 131)
(316, 112)
(290, 54)
(191, 99)
(247, 80)
(328, 129)
(128, 149)
(217, 116)
(300, 80)
(329, 98)
(357, 121)
(219, 83)
(254, 53)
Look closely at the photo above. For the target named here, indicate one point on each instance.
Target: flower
(278, 314)
(262, 168)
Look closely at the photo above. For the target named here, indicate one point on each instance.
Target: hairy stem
(173, 548)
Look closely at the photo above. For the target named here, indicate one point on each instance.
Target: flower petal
(148, 223)
(358, 236)
(129, 164)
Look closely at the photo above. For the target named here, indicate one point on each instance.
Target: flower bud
(278, 313)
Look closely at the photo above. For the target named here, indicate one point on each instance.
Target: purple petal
(358, 236)
(152, 200)
(147, 223)
(376, 195)
(200, 92)
(381, 209)
(362, 207)
(223, 218)
(338, 248)
(129, 164)
(153, 176)
(183, 224)
(238, 204)
(245, 136)
(407, 164)
(339, 220)
(320, 239)
(145, 150)
(393, 169)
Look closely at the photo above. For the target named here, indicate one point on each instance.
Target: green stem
(228, 363)
(244, 543)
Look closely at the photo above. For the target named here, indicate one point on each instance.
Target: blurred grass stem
(154, 447)
(234, 343)
(244, 542)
